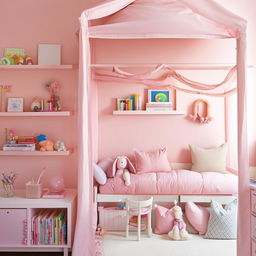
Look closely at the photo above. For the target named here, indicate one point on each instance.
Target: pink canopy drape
(131, 19)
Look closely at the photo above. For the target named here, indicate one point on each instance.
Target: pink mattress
(178, 182)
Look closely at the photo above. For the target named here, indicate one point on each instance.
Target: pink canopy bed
(144, 19)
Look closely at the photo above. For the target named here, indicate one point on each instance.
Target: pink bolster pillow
(156, 161)
(164, 220)
(198, 216)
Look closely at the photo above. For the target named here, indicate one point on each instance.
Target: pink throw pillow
(164, 220)
(198, 216)
(106, 165)
(156, 161)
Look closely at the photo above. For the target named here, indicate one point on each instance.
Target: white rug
(115, 244)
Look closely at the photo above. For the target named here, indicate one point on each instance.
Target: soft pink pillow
(198, 216)
(164, 220)
(156, 161)
(106, 165)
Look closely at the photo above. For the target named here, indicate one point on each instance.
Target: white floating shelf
(144, 112)
(34, 153)
(36, 67)
(39, 114)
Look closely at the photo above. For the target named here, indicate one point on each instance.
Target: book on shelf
(19, 147)
(50, 194)
(130, 103)
(49, 227)
(155, 106)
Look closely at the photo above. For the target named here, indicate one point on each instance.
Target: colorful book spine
(49, 228)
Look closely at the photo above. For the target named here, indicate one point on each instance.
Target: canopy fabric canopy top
(145, 19)
(163, 19)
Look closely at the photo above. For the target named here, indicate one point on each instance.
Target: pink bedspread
(177, 182)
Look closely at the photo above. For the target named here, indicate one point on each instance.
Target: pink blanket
(177, 182)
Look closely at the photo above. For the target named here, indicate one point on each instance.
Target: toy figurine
(28, 60)
(59, 146)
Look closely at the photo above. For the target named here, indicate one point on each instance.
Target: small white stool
(138, 208)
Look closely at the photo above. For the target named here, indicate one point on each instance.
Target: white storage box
(112, 218)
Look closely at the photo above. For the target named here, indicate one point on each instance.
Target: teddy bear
(46, 145)
(178, 232)
(124, 165)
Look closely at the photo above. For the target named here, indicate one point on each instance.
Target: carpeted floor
(115, 244)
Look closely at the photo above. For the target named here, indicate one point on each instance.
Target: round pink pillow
(198, 216)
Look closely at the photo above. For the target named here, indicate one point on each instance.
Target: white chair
(138, 208)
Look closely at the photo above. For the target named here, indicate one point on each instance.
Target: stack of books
(50, 194)
(133, 221)
(19, 147)
(49, 227)
(156, 106)
(131, 103)
(21, 143)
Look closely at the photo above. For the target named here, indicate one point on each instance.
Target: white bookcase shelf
(38, 114)
(36, 67)
(34, 153)
(11, 209)
(144, 112)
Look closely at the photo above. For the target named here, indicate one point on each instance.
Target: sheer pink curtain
(85, 229)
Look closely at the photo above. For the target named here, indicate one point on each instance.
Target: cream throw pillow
(209, 160)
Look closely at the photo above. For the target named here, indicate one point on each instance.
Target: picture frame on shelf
(15, 104)
(120, 104)
(159, 96)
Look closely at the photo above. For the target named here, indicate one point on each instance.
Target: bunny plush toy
(123, 164)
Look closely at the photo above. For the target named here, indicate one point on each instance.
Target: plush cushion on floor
(223, 221)
(155, 161)
(189, 227)
(164, 220)
(208, 160)
(198, 216)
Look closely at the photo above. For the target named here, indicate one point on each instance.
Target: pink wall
(24, 24)
(121, 134)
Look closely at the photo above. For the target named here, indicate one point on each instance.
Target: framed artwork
(121, 103)
(158, 96)
(15, 105)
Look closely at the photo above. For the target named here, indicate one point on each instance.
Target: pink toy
(124, 165)
(178, 231)
(100, 231)
(28, 60)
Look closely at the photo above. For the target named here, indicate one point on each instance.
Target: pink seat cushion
(156, 161)
(164, 220)
(198, 216)
(135, 211)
